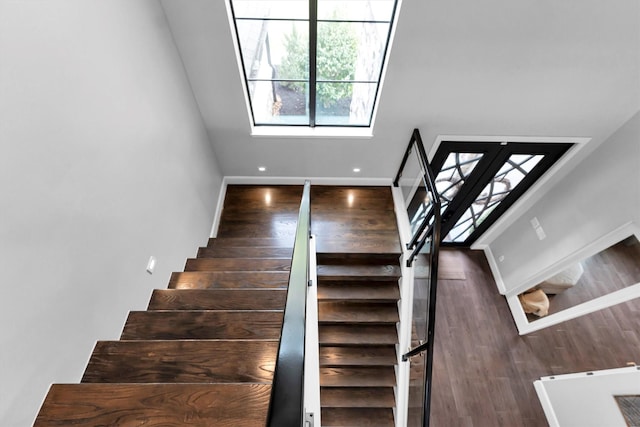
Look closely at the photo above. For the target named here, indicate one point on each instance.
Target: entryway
(479, 181)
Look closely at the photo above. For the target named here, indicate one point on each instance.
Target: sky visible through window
(313, 62)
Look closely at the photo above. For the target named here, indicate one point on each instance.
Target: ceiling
(497, 67)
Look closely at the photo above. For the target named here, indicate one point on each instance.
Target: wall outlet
(151, 265)
(535, 223)
(541, 234)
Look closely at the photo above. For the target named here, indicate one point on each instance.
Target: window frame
(355, 130)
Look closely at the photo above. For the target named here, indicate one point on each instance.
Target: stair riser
(251, 242)
(248, 252)
(229, 280)
(362, 313)
(238, 264)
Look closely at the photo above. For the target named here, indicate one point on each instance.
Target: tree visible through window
(312, 63)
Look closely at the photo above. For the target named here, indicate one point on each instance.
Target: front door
(478, 181)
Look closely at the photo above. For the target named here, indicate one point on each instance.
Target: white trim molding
(493, 265)
(405, 311)
(218, 213)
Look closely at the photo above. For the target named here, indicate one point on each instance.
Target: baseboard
(493, 265)
(218, 213)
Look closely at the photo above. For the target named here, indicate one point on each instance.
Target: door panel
(479, 181)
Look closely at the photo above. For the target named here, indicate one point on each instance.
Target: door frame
(534, 193)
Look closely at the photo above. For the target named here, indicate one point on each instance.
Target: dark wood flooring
(484, 371)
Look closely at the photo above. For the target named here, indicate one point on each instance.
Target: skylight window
(312, 62)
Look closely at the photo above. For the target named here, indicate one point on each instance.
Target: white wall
(587, 399)
(104, 161)
(601, 194)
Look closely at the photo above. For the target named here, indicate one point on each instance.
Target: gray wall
(599, 195)
(104, 161)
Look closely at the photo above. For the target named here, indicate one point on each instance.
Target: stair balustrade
(287, 393)
(416, 182)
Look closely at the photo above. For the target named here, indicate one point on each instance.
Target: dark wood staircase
(203, 353)
(357, 312)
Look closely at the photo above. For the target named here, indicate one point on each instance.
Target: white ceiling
(550, 68)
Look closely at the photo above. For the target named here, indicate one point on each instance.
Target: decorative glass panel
(453, 174)
(514, 170)
(275, 56)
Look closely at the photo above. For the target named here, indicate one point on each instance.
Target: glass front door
(478, 181)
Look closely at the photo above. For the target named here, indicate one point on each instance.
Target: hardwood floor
(191, 333)
(484, 371)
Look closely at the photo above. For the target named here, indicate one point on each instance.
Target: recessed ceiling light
(262, 168)
(356, 170)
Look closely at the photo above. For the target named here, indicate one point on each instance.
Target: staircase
(203, 353)
(357, 310)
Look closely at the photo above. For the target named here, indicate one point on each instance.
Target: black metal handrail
(286, 408)
(419, 237)
(427, 233)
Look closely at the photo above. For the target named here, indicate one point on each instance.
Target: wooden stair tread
(202, 324)
(358, 291)
(357, 334)
(238, 264)
(182, 361)
(357, 312)
(359, 272)
(229, 279)
(327, 197)
(382, 242)
(347, 376)
(218, 299)
(360, 417)
(357, 397)
(253, 242)
(244, 252)
(354, 220)
(90, 405)
(358, 356)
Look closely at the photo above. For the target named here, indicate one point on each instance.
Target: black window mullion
(313, 38)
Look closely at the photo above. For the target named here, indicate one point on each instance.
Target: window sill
(308, 132)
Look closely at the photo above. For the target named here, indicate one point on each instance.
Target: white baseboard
(493, 265)
(216, 217)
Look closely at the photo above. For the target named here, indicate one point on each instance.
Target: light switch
(151, 265)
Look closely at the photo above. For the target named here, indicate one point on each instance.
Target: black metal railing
(286, 408)
(416, 181)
